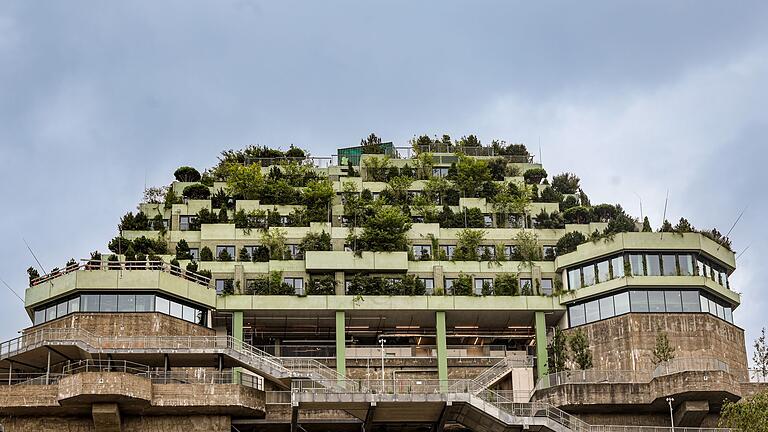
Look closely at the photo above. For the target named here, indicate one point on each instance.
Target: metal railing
(95, 365)
(595, 376)
(757, 376)
(392, 351)
(93, 265)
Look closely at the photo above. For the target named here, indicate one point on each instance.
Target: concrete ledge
(96, 387)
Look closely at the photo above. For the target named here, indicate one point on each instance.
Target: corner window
(546, 286)
(574, 279)
(654, 265)
(636, 264)
(669, 264)
(617, 267)
(577, 315)
(296, 283)
(603, 271)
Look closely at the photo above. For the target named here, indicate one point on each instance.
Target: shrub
(471, 173)
(322, 285)
(569, 241)
(565, 183)
(187, 174)
(462, 286)
(577, 215)
(206, 254)
(385, 231)
(196, 191)
(468, 240)
(569, 202)
(505, 284)
(33, 274)
(171, 198)
(243, 255)
(182, 250)
(580, 348)
(316, 242)
(534, 175)
(274, 240)
(550, 195)
(527, 249)
(295, 152)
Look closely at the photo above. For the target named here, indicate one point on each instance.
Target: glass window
(188, 313)
(673, 301)
(486, 252)
(686, 265)
(449, 250)
(712, 307)
(550, 252)
(509, 251)
(603, 271)
(621, 303)
(480, 283)
(162, 305)
(487, 221)
(720, 311)
(423, 252)
(728, 314)
(669, 263)
(700, 267)
(617, 265)
(654, 267)
(39, 316)
(296, 283)
(589, 275)
(50, 313)
(704, 303)
(74, 305)
(144, 302)
(429, 284)
(638, 301)
(449, 285)
(90, 302)
(724, 279)
(606, 308)
(294, 251)
(546, 286)
(201, 317)
(126, 303)
(592, 311)
(230, 250)
(636, 263)
(577, 316)
(707, 271)
(108, 303)
(574, 279)
(526, 286)
(61, 309)
(184, 222)
(195, 253)
(656, 301)
(176, 309)
(690, 301)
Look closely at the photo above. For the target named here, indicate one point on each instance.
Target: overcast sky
(636, 98)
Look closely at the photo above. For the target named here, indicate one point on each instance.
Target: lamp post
(382, 340)
(671, 417)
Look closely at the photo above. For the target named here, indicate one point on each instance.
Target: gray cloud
(636, 98)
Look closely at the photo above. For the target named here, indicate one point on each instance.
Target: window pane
(602, 271)
(201, 317)
(74, 305)
(592, 310)
(656, 301)
(636, 263)
(621, 302)
(108, 303)
(50, 313)
(39, 316)
(126, 303)
(617, 265)
(478, 286)
(546, 286)
(606, 308)
(724, 279)
(574, 279)
(589, 275)
(728, 315)
(162, 305)
(638, 301)
(449, 286)
(672, 298)
(90, 302)
(188, 314)
(176, 309)
(686, 265)
(654, 268)
(720, 311)
(577, 316)
(704, 303)
(691, 301)
(61, 309)
(144, 302)
(670, 265)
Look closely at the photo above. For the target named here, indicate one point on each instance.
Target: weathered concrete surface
(220, 398)
(691, 413)
(48, 424)
(128, 324)
(626, 342)
(106, 417)
(751, 389)
(713, 387)
(191, 423)
(92, 387)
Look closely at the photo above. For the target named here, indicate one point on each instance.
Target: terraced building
(440, 286)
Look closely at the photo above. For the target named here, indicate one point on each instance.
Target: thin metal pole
(48, 369)
(671, 417)
(10, 371)
(382, 364)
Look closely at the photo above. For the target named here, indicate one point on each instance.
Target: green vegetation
(187, 174)
(580, 348)
(747, 415)
(196, 191)
(408, 285)
(385, 231)
(662, 351)
(558, 352)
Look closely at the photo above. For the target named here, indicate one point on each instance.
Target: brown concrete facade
(128, 324)
(626, 342)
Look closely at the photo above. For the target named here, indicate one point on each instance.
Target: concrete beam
(691, 413)
(440, 425)
(368, 424)
(294, 418)
(106, 417)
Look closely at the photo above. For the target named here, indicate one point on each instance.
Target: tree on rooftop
(535, 175)
(187, 174)
(196, 191)
(760, 355)
(666, 226)
(471, 173)
(206, 254)
(385, 230)
(566, 183)
(33, 274)
(683, 226)
(569, 242)
(647, 225)
(747, 415)
(171, 198)
(244, 181)
(182, 250)
(317, 196)
(468, 141)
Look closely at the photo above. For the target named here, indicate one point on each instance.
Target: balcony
(349, 261)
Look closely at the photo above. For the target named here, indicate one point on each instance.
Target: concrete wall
(627, 342)
(129, 324)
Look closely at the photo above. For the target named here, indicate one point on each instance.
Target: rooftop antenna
(641, 204)
(33, 256)
(541, 163)
(742, 252)
(732, 227)
(11, 289)
(664, 218)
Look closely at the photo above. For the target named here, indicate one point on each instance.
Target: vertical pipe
(48, 369)
(541, 344)
(341, 348)
(10, 371)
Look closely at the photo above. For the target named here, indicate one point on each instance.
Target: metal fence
(93, 265)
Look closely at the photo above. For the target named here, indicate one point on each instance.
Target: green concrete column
(237, 334)
(341, 340)
(442, 350)
(541, 345)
